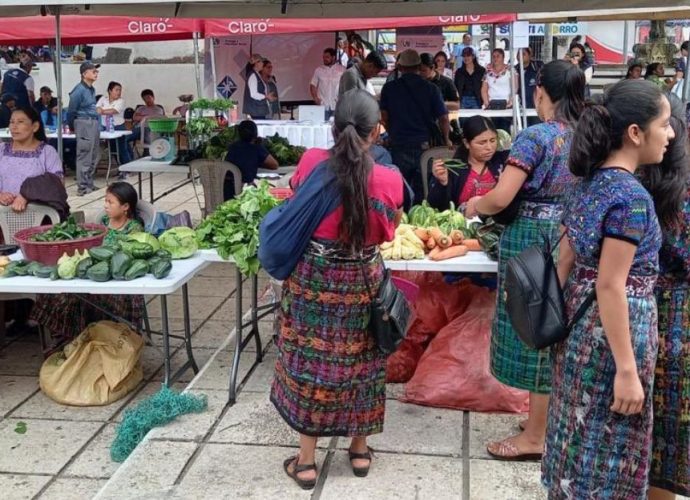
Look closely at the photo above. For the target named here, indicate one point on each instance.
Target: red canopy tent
(103, 29)
(96, 29)
(224, 27)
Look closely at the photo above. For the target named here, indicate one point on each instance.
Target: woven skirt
(590, 451)
(670, 468)
(330, 376)
(512, 362)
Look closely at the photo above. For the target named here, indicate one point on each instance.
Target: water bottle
(109, 123)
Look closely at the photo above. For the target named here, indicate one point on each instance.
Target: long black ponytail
(356, 116)
(565, 85)
(601, 127)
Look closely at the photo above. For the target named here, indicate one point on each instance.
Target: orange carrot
(434, 252)
(449, 253)
(422, 233)
(441, 239)
(473, 245)
(430, 244)
(457, 236)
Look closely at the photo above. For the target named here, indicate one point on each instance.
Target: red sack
(454, 370)
(400, 365)
(436, 305)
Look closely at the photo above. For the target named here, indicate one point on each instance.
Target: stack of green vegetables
(233, 228)
(424, 215)
(133, 256)
(65, 231)
(284, 153)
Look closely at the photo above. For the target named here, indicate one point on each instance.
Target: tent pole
(511, 53)
(626, 42)
(197, 72)
(58, 80)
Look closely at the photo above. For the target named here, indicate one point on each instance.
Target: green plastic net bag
(159, 409)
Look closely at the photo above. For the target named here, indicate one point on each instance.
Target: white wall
(166, 80)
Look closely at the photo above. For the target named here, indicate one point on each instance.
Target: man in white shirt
(324, 84)
(342, 57)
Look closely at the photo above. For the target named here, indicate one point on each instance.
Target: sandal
(361, 471)
(522, 424)
(506, 450)
(305, 484)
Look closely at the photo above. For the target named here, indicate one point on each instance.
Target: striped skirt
(670, 469)
(330, 376)
(590, 451)
(512, 362)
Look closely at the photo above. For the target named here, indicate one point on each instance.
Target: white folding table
(182, 272)
(151, 166)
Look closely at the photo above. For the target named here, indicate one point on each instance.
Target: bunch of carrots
(442, 246)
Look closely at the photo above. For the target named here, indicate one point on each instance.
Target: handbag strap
(589, 300)
(366, 277)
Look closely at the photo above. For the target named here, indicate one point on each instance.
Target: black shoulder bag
(534, 297)
(390, 314)
(435, 134)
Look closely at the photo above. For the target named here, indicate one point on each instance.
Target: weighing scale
(164, 147)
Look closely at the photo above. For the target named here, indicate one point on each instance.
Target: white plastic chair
(425, 163)
(11, 222)
(145, 210)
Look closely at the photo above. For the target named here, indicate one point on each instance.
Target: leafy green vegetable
(181, 242)
(65, 231)
(143, 237)
(282, 151)
(233, 228)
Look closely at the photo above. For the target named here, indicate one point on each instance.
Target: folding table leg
(166, 338)
(151, 186)
(141, 191)
(255, 320)
(188, 328)
(238, 338)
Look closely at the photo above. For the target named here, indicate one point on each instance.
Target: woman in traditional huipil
(536, 176)
(599, 433)
(670, 189)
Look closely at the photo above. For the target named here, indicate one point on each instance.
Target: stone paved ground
(231, 452)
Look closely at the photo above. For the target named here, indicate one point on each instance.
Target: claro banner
(223, 27)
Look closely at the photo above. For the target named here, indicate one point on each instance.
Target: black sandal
(361, 471)
(305, 484)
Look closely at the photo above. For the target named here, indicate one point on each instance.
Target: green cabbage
(179, 241)
(142, 237)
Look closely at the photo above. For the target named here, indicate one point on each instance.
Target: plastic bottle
(109, 123)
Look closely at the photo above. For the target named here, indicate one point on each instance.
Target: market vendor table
(182, 272)
(104, 136)
(151, 166)
(306, 134)
(256, 314)
(473, 262)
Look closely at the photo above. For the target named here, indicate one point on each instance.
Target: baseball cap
(427, 60)
(409, 58)
(467, 51)
(87, 66)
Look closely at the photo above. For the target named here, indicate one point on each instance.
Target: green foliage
(233, 228)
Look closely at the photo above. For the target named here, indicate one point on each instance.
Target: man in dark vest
(18, 82)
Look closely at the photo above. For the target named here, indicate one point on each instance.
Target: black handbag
(534, 298)
(390, 314)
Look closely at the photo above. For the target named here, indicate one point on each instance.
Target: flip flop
(507, 451)
(361, 471)
(521, 425)
(305, 484)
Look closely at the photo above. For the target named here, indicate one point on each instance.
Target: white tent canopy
(682, 12)
(316, 8)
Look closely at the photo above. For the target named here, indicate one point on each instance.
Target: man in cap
(413, 112)
(85, 122)
(46, 101)
(20, 83)
(360, 72)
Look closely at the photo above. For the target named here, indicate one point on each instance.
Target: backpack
(534, 298)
